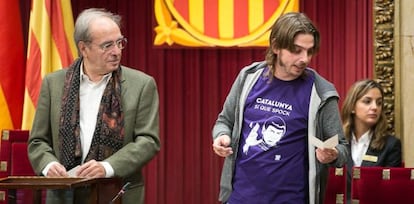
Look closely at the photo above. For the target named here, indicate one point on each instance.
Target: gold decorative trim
(339, 171)
(412, 174)
(3, 166)
(356, 173)
(339, 198)
(386, 174)
(5, 135)
(384, 56)
(2, 195)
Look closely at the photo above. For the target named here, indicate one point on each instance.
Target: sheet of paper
(329, 143)
(72, 172)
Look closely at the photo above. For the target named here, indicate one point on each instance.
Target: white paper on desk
(72, 172)
(329, 143)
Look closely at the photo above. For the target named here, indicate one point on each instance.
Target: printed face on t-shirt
(272, 134)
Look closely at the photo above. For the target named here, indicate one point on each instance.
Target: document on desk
(329, 143)
(72, 172)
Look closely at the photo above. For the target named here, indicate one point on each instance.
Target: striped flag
(11, 65)
(218, 22)
(51, 46)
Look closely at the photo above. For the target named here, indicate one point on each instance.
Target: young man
(293, 170)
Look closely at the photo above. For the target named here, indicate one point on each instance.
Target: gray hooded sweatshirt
(323, 122)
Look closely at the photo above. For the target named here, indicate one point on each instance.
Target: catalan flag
(51, 46)
(11, 65)
(224, 23)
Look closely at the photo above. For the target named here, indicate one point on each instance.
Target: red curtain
(346, 53)
(193, 84)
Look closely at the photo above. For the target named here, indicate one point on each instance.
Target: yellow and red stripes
(51, 47)
(226, 19)
(11, 65)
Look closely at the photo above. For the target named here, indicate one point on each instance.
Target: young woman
(365, 128)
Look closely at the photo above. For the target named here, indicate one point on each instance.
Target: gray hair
(84, 19)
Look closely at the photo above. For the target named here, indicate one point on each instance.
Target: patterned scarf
(109, 131)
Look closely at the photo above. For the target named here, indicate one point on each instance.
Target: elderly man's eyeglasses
(120, 43)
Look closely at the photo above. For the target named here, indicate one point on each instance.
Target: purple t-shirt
(272, 160)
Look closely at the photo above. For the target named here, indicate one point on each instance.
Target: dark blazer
(140, 104)
(389, 156)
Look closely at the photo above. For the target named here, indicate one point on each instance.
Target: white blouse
(360, 147)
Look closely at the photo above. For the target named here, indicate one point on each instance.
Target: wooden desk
(102, 189)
